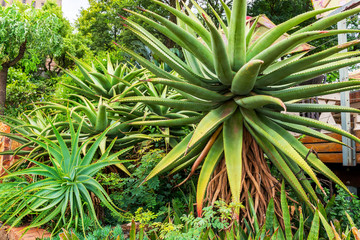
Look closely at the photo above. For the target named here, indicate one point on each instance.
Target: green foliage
(131, 193)
(21, 91)
(25, 88)
(7, 186)
(101, 23)
(279, 11)
(217, 218)
(30, 40)
(104, 233)
(342, 203)
(37, 28)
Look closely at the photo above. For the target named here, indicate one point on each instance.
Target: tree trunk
(169, 43)
(4, 74)
(3, 79)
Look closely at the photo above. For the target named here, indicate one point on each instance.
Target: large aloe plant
(242, 86)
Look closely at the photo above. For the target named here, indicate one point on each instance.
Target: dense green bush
(131, 193)
(20, 92)
(339, 204)
(24, 88)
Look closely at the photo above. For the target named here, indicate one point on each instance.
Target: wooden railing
(331, 152)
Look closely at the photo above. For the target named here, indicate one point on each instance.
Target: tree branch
(19, 56)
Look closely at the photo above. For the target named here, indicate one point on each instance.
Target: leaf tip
(141, 9)
(124, 18)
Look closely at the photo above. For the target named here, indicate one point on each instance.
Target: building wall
(35, 3)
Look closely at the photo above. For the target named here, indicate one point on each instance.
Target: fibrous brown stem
(256, 181)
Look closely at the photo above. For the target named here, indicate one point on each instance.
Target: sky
(71, 8)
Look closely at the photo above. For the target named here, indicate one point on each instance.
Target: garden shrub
(342, 203)
(25, 88)
(130, 193)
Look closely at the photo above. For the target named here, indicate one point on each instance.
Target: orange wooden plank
(325, 147)
(328, 147)
(309, 139)
(334, 157)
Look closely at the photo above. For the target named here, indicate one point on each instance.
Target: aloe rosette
(241, 87)
(120, 81)
(63, 189)
(111, 80)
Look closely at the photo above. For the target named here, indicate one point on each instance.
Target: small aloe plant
(64, 190)
(112, 80)
(241, 87)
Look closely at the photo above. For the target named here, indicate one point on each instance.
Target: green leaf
(221, 59)
(211, 160)
(280, 164)
(278, 141)
(270, 215)
(307, 131)
(245, 78)
(310, 73)
(307, 122)
(313, 160)
(212, 121)
(272, 53)
(315, 227)
(285, 213)
(268, 38)
(233, 141)
(172, 103)
(308, 107)
(227, 10)
(237, 35)
(192, 89)
(191, 43)
(303, 63)
(327, 226)
(259, 101)
(329, 21)
(170, 122)
(197, 27)
(300, 232)
(171, 157)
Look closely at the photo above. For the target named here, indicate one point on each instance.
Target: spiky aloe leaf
(221, 59)
(237, 35)
(245, 78)
(207, 169)
(273, 34)
(233, 139)
(303, 63)
(212, 121)
(259, 101)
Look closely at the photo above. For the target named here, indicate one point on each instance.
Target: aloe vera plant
(118, 81)
(241, 87)
(63, 191)
(32, 125)
(113, 79)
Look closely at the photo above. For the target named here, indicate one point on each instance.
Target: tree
(73, 44)
(279, 10)
(210, 5)
(24, 30)
(102, 23)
